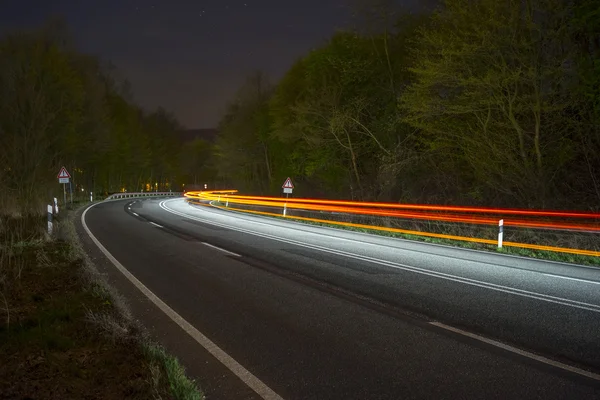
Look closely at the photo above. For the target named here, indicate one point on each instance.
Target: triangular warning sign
(63, 173)
(288, 184)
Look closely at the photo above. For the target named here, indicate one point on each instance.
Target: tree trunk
(268, 164)
(354, 165)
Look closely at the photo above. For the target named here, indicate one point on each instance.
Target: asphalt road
(318, 313)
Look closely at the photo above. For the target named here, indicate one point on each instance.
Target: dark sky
(190, 56)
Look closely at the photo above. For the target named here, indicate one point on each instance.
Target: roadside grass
(65, 333)
(570, 239)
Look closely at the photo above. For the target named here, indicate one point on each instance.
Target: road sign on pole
(63, 177)
(288, 187)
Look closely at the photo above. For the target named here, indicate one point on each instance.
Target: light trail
(550, 220)
(485, 210)
(454, 218)
(427, 234)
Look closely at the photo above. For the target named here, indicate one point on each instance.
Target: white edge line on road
(136, 214)
(573, 279)
(520, 352)
(441, 275)
(220, 249)
(236, 368)
(157, 225)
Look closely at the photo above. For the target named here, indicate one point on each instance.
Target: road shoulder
(216, 381)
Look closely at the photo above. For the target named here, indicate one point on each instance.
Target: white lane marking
(573, 279)
(136, 214)
(157, 225)
(441, 275)
(520, 352)
(236, 368)
(220, 249)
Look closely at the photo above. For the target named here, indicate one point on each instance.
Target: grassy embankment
(65, 333)
(558, 239)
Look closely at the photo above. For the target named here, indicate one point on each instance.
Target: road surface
(319, 313)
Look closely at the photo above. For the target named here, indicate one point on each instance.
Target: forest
(60, 107)
(478, 103)
(483, 102)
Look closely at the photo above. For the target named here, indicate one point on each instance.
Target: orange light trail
(454, 218)
(419, 212)
(429, 234)
(484, 210)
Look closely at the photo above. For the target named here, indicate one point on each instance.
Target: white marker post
(55, 205)
(500, 233)
(91, 198)
(49, 219)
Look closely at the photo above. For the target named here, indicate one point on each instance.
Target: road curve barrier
(523, 224)
(126, 195)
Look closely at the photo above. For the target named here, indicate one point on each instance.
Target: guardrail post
(500, 233)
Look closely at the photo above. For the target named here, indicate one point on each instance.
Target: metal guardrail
(127, 195)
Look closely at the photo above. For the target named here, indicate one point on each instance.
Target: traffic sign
(287, 190)
(63, 177)
(63, 173)
(288, 184)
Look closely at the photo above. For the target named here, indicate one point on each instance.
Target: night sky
(191, 56)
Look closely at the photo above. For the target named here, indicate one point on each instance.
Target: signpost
(288, 187)
(64, 178)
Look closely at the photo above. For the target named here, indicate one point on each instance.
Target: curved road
(319, 313)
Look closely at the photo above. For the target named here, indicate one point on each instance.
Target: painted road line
(220, 249)
(135, 214)
(236, 368)
(573, 279)
(520, 352)
(157, 225)
(409, 268)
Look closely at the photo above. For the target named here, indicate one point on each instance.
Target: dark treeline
(61, 107)
(483, 102)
